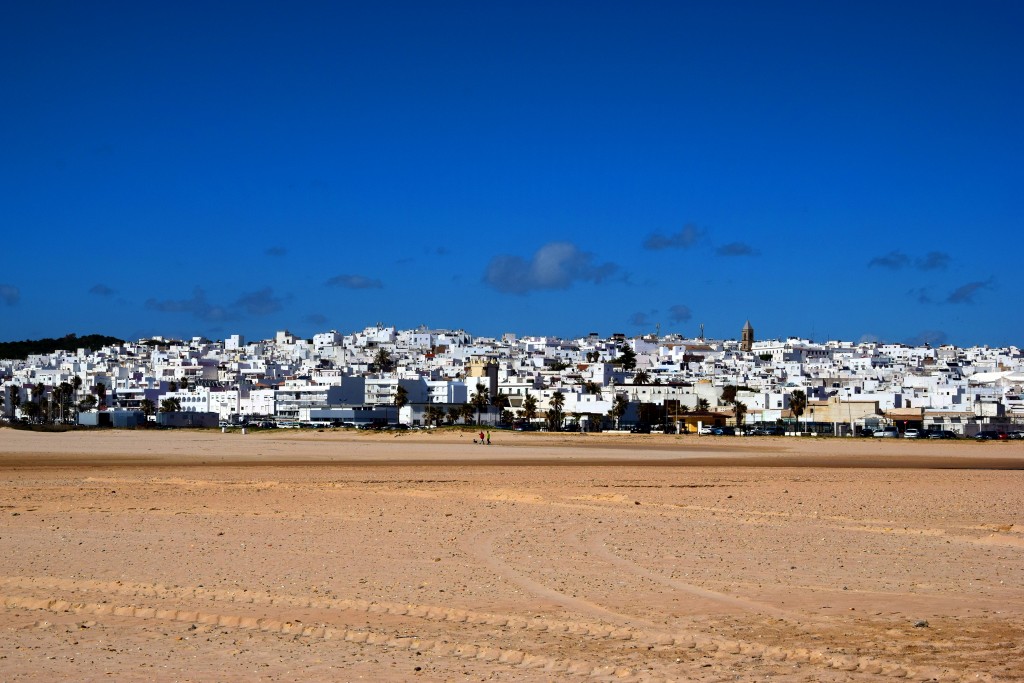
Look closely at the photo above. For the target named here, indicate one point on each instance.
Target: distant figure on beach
(481, 438)
(488, 437)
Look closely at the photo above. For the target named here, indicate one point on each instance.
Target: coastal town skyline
(382, 375)
(828, 171)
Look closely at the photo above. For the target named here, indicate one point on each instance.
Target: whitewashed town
(386, 378)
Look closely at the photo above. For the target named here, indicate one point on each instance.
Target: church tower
(747, 337)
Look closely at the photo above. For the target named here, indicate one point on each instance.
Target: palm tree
(479, 400)
(433, 415)
(740, 410)
(556, 402)
(619, 406)
(500, 401)
(38, 393)
(466, 412)
(15, 398)
(30, 409)
(591, 387)
(100, 390)
(147, 407)
(55, 402)
(702, 405)
(76, 384)
(454, 412)
(64, 392)
(382, 361)
(797, 404)
(401, 399)
(529, 407)
(170, 405)
(641, 377)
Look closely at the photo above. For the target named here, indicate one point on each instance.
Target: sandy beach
(288, 555)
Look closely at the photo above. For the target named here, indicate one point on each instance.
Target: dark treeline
(70, 342)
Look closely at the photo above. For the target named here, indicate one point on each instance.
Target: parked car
(886, 433)
(640, 429)
(1017, 435)
(941, 434)
(706, 430)
(724, 431)
(767, 431)
(911, 434)
(991, 435)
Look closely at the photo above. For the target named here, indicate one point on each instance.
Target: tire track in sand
(718, 647)
(598, 547)
(482, 547)
(363, 636)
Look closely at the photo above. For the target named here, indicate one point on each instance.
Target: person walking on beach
(481, 438)
(488, 437)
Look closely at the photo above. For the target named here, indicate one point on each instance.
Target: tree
(529, 407)
(500, 401)
(170, 405)
(557, 402)
(15, 396)
(56, 398)
(76, 384)
(728, 393)
(38, 392)
(147, 407)
(172, 386)
(797, 404)
(642, 377)
(479, 400)
(619, 407)
(433, 415)
(702, 405)
(382, 362)
(649, 414)
(401, 397)
(627, 358)
(64, 393)
(466, 412)
(31, 410)
(453, 413)
(87, 403)
(740, 410)
(100, 390)
(591, 387)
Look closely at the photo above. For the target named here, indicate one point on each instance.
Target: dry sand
(339, 556)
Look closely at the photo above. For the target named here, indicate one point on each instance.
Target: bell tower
(747, 337)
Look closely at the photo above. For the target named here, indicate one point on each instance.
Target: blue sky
(826, 169)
